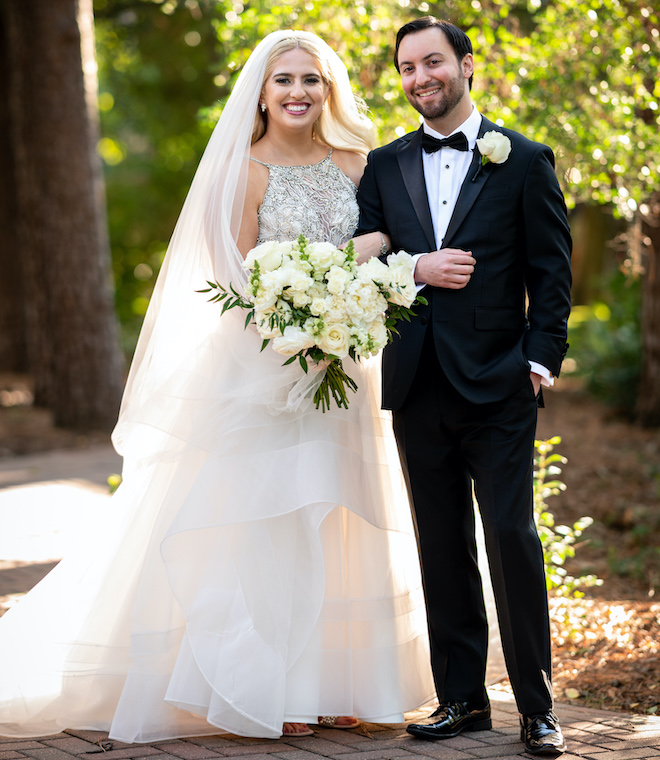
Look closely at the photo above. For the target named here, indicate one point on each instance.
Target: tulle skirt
(257, 565)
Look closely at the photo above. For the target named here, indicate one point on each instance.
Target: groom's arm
(547, 242)
(372, 216)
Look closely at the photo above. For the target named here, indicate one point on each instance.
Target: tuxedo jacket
(512, 217)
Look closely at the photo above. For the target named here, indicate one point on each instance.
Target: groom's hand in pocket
(447, 268)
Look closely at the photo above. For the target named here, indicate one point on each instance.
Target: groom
(463, 379)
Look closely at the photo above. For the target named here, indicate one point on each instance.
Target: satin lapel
(409, 156)
(472, 186)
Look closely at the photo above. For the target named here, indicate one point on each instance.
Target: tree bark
(648, 402)
(13, 346)
(72, 332)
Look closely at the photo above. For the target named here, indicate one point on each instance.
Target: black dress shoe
(450, 719)
(541, 734)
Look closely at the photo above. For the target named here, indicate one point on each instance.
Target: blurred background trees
(580, 76)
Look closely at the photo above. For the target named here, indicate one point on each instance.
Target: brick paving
(590, 734)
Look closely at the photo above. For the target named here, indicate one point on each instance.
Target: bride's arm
(370, 245)
(254, 195)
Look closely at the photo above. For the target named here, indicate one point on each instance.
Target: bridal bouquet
(314, 302)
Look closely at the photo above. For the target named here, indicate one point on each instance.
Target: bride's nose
(297, 90)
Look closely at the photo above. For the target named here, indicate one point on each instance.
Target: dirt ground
(606, 644)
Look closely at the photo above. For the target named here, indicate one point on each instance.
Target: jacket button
(424, 320)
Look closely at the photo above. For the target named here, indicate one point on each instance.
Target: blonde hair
(343, 124)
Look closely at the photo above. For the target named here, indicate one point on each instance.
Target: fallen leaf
(572, 693)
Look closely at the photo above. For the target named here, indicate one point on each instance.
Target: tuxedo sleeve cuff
(416, 257)
(547, 378)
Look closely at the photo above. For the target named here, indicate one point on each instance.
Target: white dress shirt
(445, 171)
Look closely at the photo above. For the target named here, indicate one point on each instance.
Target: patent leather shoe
(541, 734)
(450, 719)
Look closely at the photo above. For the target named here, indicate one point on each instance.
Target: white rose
(379, 334)
(269, 256)
(335, 339)
(401, 280)
(262, 319)
(337, 279)
(494, 146)
(295, 278)
(318, 306)
(293, 340)
(374, 269)
(322, 255)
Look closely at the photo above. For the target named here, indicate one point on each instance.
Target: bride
(257, 567)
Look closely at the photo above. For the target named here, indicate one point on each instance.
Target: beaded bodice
(317, 201)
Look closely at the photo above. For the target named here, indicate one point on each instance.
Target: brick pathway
(592, 734)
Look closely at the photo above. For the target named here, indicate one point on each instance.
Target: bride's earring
(263, 107)
(323, 106)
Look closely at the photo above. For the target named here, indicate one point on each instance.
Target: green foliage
(605, 340)
(558, 541)
(165, 66)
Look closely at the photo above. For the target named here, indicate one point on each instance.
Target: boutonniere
(494, 148)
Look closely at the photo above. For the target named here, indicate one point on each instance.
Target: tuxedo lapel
(409, 156)
(473, 184)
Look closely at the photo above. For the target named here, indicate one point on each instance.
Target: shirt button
(446, 166)
(444, 203)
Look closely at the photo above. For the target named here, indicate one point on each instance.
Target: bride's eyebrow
(286, 74)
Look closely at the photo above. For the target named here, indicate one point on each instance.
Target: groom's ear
(467, 65)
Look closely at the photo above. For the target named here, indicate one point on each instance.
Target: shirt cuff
(416, 257)
(547, 378)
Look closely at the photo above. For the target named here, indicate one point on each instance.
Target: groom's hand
(446, 268)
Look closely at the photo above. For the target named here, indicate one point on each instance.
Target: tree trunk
(72, 331)
(648, 402)
(13, 347)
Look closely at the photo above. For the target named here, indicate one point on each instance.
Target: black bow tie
(458, 141)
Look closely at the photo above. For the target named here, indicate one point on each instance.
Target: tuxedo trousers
(448, 444)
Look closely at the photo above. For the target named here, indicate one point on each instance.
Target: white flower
(374, 269)
(295, 278)
(335, 309)
(401, 280)
(318, 306)
(323, 255)
(364, 300)
(269, 256)
(270, 289)
(293, 340)
(262, 318)
(495, 147)
(337, 279)
(335, 339)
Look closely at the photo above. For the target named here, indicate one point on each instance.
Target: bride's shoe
(330, 721)
(296, 729)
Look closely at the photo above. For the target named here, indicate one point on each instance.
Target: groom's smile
(433, 80)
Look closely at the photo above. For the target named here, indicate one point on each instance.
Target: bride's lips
(296, 108)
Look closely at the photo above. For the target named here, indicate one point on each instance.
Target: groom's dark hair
(457, 38)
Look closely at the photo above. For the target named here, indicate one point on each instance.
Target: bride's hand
(369, 245)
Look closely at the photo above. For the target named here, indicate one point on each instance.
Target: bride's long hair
(344, 123)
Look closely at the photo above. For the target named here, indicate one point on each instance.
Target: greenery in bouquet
(313, 301)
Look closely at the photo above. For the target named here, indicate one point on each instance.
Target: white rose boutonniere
(495, 147)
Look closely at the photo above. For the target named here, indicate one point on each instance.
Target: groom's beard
(452, 93)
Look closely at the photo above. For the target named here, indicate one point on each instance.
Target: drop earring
(263, 107)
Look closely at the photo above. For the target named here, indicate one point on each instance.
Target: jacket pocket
(498, 319)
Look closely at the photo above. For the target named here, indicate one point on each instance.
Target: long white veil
(203, 247)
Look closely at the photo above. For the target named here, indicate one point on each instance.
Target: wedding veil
(179, 321)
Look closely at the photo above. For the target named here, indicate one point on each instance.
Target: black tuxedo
(458, 382)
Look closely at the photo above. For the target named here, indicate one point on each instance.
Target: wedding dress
(258, 563)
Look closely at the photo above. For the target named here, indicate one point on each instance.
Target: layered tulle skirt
(257, 564)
